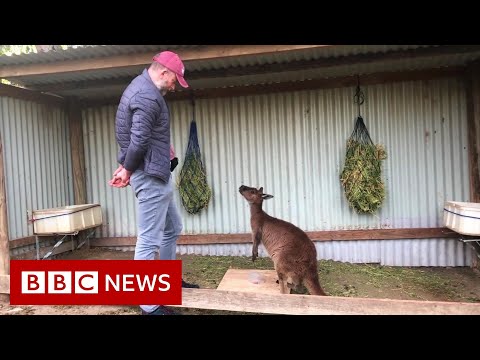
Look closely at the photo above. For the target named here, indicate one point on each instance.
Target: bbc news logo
(95, 282)
(59, 282)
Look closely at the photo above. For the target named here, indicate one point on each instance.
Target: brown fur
(293, 253)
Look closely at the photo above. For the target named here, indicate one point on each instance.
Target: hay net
(192, 184)
(361, 177)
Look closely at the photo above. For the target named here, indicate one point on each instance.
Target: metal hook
(359, 97)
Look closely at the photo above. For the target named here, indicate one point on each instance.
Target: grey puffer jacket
(142, 128)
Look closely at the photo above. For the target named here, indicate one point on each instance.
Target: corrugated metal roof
(83, 52)
(277, 77)
(259, 75)
(341, 70)
(292, 56)
(99, 51)
(312, 73)
(191, 65)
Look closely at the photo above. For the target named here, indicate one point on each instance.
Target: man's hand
(121, 177)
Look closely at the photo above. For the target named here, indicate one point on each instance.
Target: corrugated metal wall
(293, 144)
(37, 160)
(118, 205)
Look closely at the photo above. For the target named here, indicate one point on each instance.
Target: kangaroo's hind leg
(312, 283)
(282, 281)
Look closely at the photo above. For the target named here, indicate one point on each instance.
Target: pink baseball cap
(173, 63)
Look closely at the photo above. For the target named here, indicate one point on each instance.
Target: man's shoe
(161, 310)
(190, 286)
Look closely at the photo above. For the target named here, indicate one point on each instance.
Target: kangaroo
(293, 253)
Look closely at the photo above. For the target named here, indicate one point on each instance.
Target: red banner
(95, 282)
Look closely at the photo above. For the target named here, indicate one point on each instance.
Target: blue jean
(158, 220)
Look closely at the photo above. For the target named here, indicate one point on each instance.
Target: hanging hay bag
(361, 177)
(192, 182)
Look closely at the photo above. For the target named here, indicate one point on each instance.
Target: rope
(192, 98)
(471, 217)
(54, 216)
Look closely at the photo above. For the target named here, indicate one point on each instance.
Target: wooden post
(473, 130)
(77, 150)
(78, 156)
(4, 241)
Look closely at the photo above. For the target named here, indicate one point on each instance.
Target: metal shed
(276, 116)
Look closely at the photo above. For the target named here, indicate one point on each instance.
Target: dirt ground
(459, 284)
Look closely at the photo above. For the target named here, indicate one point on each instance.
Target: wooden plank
(473, 129)
(4, 284)
(383, 234)
(183, 240)
(77, 153)
(21, 242)
(24, 94)
(373, 234)
(113, 241)
(28, 240)
(116, 61)
(214, 239)
(295, 304)
(250, 280)
(32, 254)
(4, 240)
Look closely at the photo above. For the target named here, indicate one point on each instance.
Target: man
(142, 130)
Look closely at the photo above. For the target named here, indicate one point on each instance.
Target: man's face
(169, 80)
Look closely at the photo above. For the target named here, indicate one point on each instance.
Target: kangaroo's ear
(266, 196)
(260, 190)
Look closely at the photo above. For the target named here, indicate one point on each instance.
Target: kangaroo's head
(252, 195)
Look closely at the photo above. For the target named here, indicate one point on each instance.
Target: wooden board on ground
(4, 284)
(317, 305)
(250, 280)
